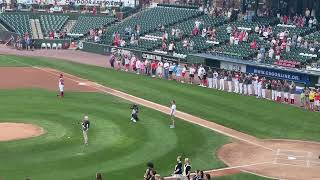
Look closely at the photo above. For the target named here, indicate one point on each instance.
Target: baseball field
(221, 129)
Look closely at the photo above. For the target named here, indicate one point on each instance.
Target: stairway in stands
(34, 29)
(69, 25)
(2, 27)
(39, 30)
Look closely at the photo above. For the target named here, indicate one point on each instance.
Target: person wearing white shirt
(215, 80)
(192, 70)
(160, 69)
(201, 72)
(138, 66)
(271, 53)
(256, 29)
(166, 69)
(173, 110)
(229, 29)
(204, 32)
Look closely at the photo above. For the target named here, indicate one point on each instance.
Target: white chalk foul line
(234, 167)
(125, 96)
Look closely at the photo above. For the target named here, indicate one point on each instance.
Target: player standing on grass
(85, 127)
(173, 112)
(61, 86)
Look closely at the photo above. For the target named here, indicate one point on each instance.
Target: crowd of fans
(22, 42)
(231, 81)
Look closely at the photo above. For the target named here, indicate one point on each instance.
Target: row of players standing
(238, 82)
(249, 84)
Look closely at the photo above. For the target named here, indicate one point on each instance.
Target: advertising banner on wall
(106, 3)
(279, 74)
(233, 66)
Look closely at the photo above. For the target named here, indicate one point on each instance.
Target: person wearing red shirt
(317, 100)
(94, 10)
(253, 44)
(153, 68)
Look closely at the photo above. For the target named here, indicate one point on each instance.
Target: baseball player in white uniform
(215, 80)
(173, 110)
(61, 86)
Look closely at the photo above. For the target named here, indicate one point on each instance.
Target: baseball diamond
(159, 90)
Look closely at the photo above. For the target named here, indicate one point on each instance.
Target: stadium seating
(52, 23)
(85, 23)
(149, 21)
(17, 22)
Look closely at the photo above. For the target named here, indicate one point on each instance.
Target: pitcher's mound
(15, 131)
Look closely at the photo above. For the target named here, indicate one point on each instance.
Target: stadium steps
(39, 30)
(34, 29)
(3, 28)
(69, 25)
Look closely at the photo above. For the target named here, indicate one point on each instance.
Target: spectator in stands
(150, 167)
(171, 47)
(164, 46)
(94, 10)
(98, 176)
(253, 44)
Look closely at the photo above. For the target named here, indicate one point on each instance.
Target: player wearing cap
(85, 127)
(61, 86)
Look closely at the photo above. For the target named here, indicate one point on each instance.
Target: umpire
(85, 127)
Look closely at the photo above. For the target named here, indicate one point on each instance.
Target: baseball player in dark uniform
(134, 113)
(85, 127)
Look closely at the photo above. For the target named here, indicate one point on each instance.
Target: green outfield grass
(117, 147)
